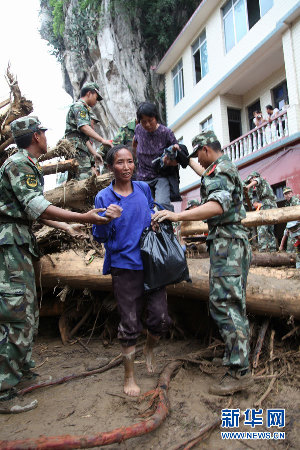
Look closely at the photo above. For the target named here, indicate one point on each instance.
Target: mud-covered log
(265, 295)
(78, 195)
(63, 148)
(265, 259)
(253, 219)
(60, 166)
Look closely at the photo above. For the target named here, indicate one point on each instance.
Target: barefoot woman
(123, 260)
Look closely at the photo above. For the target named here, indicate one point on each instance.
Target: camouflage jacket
(221, 183)
(21, 199)
(264, 193)
(78, 115)
(293, 201)
(125, 134)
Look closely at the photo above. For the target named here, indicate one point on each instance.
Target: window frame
(200, 45)
(177, 74)
(209, 118)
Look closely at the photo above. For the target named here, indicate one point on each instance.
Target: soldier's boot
(232, 382)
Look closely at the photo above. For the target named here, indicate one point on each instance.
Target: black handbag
(163, 258)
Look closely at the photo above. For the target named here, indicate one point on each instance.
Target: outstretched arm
(206, 211)
(196, 167)
(88, 131)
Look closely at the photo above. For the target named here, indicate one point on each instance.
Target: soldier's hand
(107, 142)
(93, 217)
(98, 159)
(76, 230)
(164, 215)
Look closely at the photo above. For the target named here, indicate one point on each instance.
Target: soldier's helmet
(93, 87)
(286, 190)
(192, 203)
(25, 126)
(206, 138)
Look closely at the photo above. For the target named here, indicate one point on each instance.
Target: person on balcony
(265, 199)
(272, 114)
(290, 200)
(258, 118)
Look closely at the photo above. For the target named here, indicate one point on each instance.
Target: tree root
(115, 436)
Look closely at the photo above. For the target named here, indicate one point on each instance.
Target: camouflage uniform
(230, 256)
(21, 202)
(290, 247)
(295, 234)
(78, 116)
(265, 196)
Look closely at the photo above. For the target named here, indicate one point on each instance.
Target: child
(123, 260)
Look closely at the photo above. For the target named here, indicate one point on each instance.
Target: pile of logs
(10, 109)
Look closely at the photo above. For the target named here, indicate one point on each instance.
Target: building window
(278, 191)
(199, 50)
(239, 16)
(206, 125)
(177, 74)
(280, 95)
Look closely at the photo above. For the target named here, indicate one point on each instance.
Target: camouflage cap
(254, 174)
(26, 125)
(206, 138)
(294, 228)
(286, 190)
(93, 87)
(192, 203)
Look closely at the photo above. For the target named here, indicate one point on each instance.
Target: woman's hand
(113, 211)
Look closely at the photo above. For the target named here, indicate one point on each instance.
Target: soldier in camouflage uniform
(290, 200)
(265, 196)
(222, 206)
(21, 203)
(79, 130)
(295, 234)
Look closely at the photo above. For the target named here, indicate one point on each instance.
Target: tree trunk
(253, 219)
(266, 295)
(61, 166)
(78, 195)
(266, 259)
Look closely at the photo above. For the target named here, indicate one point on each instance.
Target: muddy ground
(96, 403)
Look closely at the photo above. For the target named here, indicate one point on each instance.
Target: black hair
(85, 90)
(215, 146)
(269, 107)
(257, 111)
(110, 157)
(25, 140)
(147, 109)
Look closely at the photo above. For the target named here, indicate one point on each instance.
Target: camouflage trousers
(290, 245)
(85, 165)
(18, 314)
(229, 266)
(266, 237)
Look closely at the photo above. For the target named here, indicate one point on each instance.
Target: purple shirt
(151, 146)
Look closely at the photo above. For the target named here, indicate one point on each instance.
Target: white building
(231, 58)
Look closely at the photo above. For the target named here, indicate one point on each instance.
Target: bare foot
(150, 359)
(131, 388)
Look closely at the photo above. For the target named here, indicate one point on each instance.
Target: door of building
(251, 108)
(234, 123)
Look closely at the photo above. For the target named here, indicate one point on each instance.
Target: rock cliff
(102, 41)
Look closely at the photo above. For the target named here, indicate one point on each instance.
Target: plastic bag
(163, 257)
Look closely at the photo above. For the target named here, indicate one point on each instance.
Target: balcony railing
(258, 138)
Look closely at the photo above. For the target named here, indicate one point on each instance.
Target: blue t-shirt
(121, 236)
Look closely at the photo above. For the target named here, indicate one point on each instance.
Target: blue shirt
(121, 236)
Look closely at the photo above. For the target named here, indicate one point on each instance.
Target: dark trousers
(128, 287)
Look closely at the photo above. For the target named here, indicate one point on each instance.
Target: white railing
(259, 137)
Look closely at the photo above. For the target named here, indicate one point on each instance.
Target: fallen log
(253, 219)
(60, 166)
(63, 148)
(265, 295)
(78, 194)
(265, 259)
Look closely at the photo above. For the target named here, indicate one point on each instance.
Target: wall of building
(220, 63)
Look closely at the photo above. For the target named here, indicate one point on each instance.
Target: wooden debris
(64, 148)
(70, 165)
(253, 219)
(259, 343)
(204, 431)
(291, 333)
